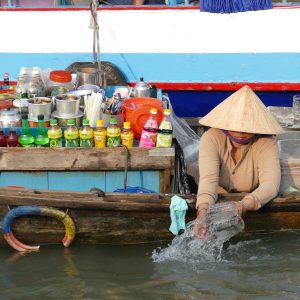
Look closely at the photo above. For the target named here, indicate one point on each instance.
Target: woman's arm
(209, 164)
(269, 177)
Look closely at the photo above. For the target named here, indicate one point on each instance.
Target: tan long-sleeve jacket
(257, 173)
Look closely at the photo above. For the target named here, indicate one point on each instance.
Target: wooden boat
(121, 218)
(61, 178)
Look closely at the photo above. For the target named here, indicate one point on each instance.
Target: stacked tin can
(30, 84)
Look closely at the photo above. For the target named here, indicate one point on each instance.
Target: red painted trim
(228, 86)
(222, 86)
(118, 8)
(16, 9)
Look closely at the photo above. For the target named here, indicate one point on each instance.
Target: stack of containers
(289, 153)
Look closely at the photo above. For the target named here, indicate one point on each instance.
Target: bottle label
(86, 143)
(148, 139)
(71, 135)
(113, 141)
(100, 139)
(57, 90)
(151, 123)
(85, 135)
(72, 143)
(55, 142)
(55, 134)
(127, 139)
(113, 132)
(164, 140)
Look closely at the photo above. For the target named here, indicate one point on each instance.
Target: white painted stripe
(151, 31)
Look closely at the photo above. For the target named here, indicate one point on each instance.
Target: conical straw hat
(242, 111)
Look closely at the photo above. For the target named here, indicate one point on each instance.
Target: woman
(238, 154)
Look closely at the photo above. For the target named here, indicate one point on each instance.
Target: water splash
(222, 221)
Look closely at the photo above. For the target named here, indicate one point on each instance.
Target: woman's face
(241, 135)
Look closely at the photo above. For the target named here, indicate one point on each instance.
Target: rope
(126, 167)
(96, 41)
(66, 213)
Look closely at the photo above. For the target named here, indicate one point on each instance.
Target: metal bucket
(40, 106)
(89, 75)
(67, 104)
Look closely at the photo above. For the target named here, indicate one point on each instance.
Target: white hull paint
(163, 45)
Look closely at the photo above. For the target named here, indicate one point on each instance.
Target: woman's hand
(200, 226)
(246, 204)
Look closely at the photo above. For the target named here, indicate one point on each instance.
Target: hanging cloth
(233, 6)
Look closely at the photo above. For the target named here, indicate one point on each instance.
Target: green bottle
(41, 139)
(25, 139)
(86, 135)
(113, 133)
(54, 134)
(71, 134)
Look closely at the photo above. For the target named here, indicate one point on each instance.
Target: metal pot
(67, 105)
(40, 106)
(85, 90)
(89, 75)
(62, 121)
(141, 89)
(10, 117)
(21, 105)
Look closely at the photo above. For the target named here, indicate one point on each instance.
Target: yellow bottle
(127, 135)
(100, 135)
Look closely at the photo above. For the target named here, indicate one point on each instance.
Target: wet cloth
(257, 172)
(178, 208)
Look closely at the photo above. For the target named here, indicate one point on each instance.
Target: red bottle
(12, 138)
(2, 138)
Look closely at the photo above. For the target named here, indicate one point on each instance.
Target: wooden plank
(164, 178)
(46, 159)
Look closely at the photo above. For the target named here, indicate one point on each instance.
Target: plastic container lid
(100, 123)
(153, 110)
(167, 112)
(40, 117)
(113, 121)
(60, 76)
(70, 122)
(126, 125)
(53, 122)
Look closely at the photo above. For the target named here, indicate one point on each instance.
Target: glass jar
(60, 82)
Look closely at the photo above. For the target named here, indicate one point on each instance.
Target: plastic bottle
(100, 135)
(113, 133)
(12, 138)
(71, 134)
(60, 82)
(127, 135)
(165, 131)
(5, 81)
(54, 134)
(2, 137)
(149, 133)
(86, 135)
(41, 139)
(25, 139)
